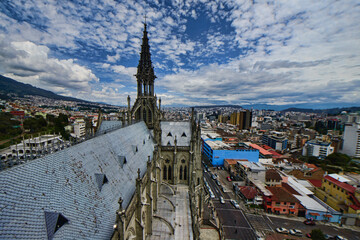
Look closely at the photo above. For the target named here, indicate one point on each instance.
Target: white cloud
(30, 63)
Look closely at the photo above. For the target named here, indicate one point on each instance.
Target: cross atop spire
(145, 18)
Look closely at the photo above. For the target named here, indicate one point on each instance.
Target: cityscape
(179, 120)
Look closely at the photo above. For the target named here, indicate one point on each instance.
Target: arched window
(169, 173)
(181, 170)
(185, 173)
(144, 115)
(164, 173)
(149, 116)
(198, 181)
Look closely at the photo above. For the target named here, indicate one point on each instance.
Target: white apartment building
(79, 128)
(351, 144)
(317, 149)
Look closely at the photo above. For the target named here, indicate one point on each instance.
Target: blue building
(216, 151)
(318, 210)
(276, 141)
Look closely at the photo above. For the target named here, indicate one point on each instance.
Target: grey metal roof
(182, 131)
(65, 182)
(109, 125)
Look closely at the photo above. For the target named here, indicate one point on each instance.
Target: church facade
(176, 159)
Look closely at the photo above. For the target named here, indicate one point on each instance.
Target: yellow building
(241, 119)
(338, 194)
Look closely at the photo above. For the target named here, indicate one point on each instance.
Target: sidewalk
(301, 219)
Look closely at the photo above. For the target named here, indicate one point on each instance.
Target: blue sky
(204, 52)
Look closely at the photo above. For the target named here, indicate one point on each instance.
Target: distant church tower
(145, 107)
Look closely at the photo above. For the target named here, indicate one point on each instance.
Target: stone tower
(145, 108)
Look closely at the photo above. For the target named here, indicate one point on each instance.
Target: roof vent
(135, 149)
(144, 142)
(183, 135)
(101, 179)
(122, 160)
(54, 221)
(169, 134)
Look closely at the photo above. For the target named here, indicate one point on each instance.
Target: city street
(245, 224)
(234, 224)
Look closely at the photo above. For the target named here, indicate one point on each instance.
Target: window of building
(277, 203)
(181, 173)
(164, 173)
(284, 210)
(169, 173)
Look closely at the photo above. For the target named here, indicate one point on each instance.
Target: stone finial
(120, 203)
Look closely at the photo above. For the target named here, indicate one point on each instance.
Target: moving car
(222, 201)
(282, 230)
(295, 232)
(213, 176)
(235, 204)
(229, 179)
(218, 183)
(328, 236)
(338, 237)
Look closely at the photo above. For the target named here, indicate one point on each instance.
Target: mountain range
(10, 86)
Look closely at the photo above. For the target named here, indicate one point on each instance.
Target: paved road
(261, 224)
(333, 230)
(233, 221)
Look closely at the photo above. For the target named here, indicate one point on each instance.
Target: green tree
(338, 159)
(317, 234)
(36, 124)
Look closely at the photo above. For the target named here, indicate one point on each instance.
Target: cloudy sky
(205, 52)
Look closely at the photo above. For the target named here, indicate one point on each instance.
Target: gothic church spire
(145, 71)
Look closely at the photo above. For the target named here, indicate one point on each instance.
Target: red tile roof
(310, 165)
(275, 154)
(281, 195)
(248, 192)
(233, 161)
(315, 182)
(272, 174)
(342, 185)
(266, 147)
(290, 189)
(261, 150)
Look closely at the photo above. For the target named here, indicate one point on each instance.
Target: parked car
(309, 222)
(222, 200)
(308, 235)
(213, 176)
(229, 179)
(295, 232)
(282, 230)
(328, 236)
(235, 204)
(218, 183)
(338, 237)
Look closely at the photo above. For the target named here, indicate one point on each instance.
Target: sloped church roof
(74, 193)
